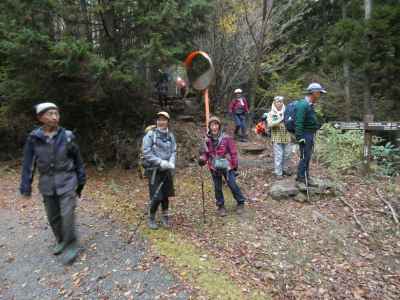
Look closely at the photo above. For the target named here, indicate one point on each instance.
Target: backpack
(289, 117)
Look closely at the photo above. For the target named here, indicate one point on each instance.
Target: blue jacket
(58, 160)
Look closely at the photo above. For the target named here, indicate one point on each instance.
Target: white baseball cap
(42, 107)
(238, 91)
(164, 114)
(315, 87)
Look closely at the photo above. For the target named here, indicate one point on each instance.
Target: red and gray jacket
(239, 106)
(221, 147)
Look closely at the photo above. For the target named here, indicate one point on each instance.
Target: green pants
(60, 210)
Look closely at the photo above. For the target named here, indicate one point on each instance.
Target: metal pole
(207, 107)
(202, 195)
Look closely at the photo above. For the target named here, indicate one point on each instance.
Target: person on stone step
(62, 177)
(159, 154)
(220, 154)
(306, 125)
(239, 108)
(280, 138)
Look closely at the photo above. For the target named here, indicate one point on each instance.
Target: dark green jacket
(306, 119)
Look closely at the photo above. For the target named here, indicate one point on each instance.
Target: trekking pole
(305, 177)
(145, 211)
(202, 195)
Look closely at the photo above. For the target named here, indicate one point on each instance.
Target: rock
(288, 188)
(283, 189)
(301, 197)
(252, 149)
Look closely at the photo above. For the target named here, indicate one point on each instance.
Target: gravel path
(108, 267)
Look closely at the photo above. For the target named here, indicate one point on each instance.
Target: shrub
(388, 159)
(339, 150)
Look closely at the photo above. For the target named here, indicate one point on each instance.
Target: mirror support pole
(207, 107)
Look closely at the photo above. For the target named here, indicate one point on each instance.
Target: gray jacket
(158, 146)
(58, 160)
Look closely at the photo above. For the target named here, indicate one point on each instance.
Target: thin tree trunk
(347, 95)
(86, 21)
(346, 72)
(367, 88)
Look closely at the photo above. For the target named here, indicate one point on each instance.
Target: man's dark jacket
(59, 163)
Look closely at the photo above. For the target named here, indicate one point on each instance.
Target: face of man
(214, 128)
(238, 95)
(162, 122)
(314, 97)
(50, 118)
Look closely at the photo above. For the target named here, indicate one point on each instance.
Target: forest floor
(275, 250)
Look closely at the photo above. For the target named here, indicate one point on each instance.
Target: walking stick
(142, 217)
(306, 176)
(202, 195)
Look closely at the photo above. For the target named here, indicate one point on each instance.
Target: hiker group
(62, 175)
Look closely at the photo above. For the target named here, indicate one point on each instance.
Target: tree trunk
(260, 46)
(367, 88)
(86, 21)
(346, 72)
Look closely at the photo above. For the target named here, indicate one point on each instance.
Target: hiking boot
(165, 220)
(287, 173)
(221, 211)
(59, 248)
(152, 222)
(70, 254)
(240, 209)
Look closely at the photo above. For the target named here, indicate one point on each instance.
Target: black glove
(79, 190)
(201, 162)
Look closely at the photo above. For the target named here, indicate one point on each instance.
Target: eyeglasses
(52, 113)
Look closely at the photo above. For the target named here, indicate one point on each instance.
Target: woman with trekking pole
(220, 155)
(159, 155)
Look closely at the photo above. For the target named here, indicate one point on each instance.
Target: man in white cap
(62, 176)
(159, 153)
(238, 108)
(306, 126)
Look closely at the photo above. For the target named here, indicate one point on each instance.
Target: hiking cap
(238, 91)
(315, 87)
(214, 119)
(42, 107)
(278, 98)
(164, 114)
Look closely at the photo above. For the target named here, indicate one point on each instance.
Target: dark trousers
(161, 186)
(240, 123)
(305, 155)
(163, 100)
(231, 181)
(60, 210)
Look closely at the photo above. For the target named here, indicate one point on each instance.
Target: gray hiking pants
(60, 210)
(282, 154)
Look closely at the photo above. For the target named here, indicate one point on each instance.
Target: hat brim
(317, 90)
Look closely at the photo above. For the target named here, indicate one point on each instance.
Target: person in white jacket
(280, 138)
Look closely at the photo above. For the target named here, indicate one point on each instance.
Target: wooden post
(367, 143)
